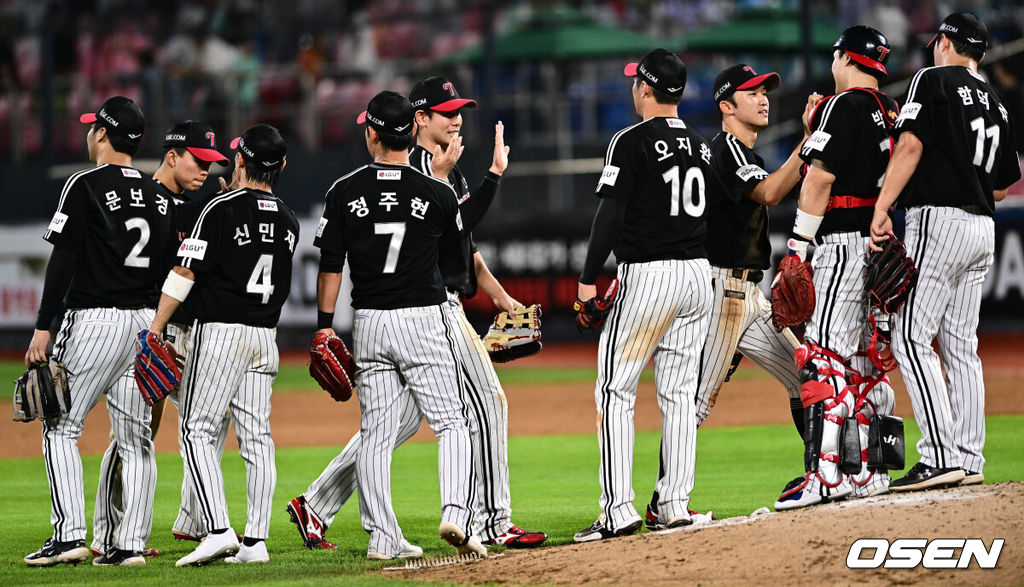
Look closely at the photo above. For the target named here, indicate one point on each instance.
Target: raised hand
(444, 161)
(500, 160)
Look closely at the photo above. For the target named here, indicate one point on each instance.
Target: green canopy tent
(775, 31)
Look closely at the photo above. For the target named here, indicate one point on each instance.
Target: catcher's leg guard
(878, 431)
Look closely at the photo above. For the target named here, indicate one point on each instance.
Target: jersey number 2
(397, 232)
(992, 132)
(135, 258)
(259, 281)
(693, 176)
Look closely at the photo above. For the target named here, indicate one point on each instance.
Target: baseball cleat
(55, 553)
(180, 535)
(878, 484)
(598, 531)
(408, 551)
(678, 521)
(116, 557)
(146, 552)
(213, 547)
(256, 553)
(455, 536)
(516, 537)
(311, 527)
(806, 491)
(654, 524)
(972, 478)
(922, 476)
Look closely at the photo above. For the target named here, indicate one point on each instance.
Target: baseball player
(738, 248)
(391, 221)
(439, 119)
(190, 148)
(238, 257)
(109, 234)
(953, 160)
(846, 156)
(651, 212)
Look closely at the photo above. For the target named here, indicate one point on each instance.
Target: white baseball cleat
(212, 547)
(256, 553)
(408, 551)
(811, 491)
(455, 536)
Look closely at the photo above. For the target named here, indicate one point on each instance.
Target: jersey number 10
(694, 176)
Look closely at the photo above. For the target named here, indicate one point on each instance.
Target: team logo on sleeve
(320, 229)
(58, 222)
(192, 248)
(817, 141)
(267, 205)
(751, 172)
(909, 112)
(131, 173)
(609, 175)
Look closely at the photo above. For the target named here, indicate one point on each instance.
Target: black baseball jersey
(456, 263)
(391, 220)
(851, 137)
(659, 169)
(737, 226)
(241, 249)
(121, 226)
(185, 212)
(967, 137)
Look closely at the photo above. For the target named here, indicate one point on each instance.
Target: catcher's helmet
(865, 46)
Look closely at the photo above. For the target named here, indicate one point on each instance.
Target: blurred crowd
(309, 65)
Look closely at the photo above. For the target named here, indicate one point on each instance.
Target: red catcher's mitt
(332, 366)
(592, 313)
(792, 293)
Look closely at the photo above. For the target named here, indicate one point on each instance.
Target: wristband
(806, 225)
(177, 286)
(324, 319)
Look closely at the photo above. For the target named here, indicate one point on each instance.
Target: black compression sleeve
(603, 235)
(331, 262)
(476, 205)
(59, 272)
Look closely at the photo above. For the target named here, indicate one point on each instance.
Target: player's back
(241, 249)
(965, 129)
(391, 220)
(120, 227)
(659, 169)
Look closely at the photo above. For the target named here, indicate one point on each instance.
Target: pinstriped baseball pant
(488, 425)
(953, 251)
(741, 320)
(230, 365)
(98, 347)
(409, 351)
(662, 309)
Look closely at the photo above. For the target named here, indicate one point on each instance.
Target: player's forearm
(164, 310)
(816, 189)
(901, 168)
(603, 235)
(485, 279)
(327, 287)
(59, 271)
(773, 188)
(479, 201)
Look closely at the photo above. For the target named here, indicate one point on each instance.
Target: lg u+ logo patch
(909, 553)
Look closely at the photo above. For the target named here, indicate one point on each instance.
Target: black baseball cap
(866, 46)
(965, 27)
(388, 112)
(661, 70)
(198, 138)
(263, 145)
(743, 77)
(437, 93)
(120, 116)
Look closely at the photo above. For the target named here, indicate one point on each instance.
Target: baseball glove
(332, 366)
(792, 293)
(514, 336)
(592, 313)
(156, 372)
(889, 276)
(42, 392)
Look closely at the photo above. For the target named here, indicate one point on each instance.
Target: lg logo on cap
(909, 553)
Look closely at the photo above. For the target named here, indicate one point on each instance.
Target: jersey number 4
(992, 132)
(260, 282)
(694, 178)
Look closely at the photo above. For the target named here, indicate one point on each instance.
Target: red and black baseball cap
(866, 46)
(388, 112)
(743, 77)
(120, 116)
(965, 27)
(198, 138)
(661, 70)
(263, 145)
(438, 94)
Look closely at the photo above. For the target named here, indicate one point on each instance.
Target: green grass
(554, 488)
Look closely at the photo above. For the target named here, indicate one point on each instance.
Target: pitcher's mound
(809, 546)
